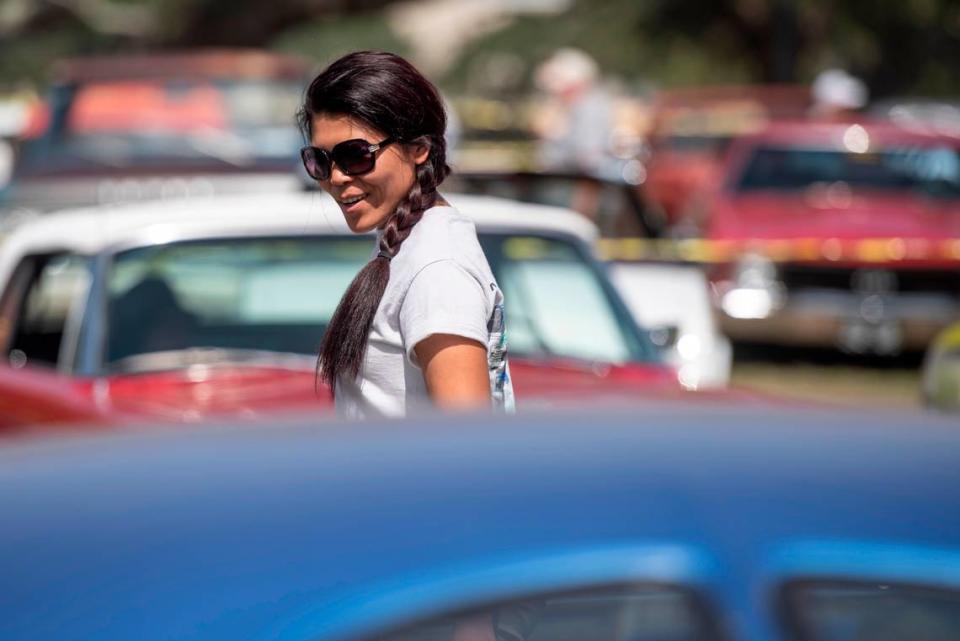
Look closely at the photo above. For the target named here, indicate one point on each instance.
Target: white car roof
(94, 229)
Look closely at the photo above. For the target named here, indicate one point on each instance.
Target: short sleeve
(443, 298)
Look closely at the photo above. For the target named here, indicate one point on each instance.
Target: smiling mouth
(346, 202)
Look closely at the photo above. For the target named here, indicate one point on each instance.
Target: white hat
(565, 69)
(836, 88)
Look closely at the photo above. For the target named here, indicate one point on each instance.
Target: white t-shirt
(440, 283)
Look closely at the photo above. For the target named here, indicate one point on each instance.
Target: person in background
(422, 323)
(578, 138)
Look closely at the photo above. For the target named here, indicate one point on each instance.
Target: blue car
(654, 523)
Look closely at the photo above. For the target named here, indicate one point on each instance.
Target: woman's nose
(337, 177)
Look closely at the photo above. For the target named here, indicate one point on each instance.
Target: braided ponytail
(387, 93)
(344, 343)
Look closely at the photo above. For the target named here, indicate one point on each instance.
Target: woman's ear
(419, 151)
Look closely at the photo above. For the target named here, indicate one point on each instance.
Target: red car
(838, 234)
(215, 306)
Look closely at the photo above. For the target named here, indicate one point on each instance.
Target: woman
(423, 320)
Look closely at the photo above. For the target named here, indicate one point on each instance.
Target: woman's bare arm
(455, 371)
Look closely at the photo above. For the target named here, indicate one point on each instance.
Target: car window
(641, 613)
(839, 611)
(557, 302)
(275, 294)
(54, 286)
(278, 294)
(932, 171)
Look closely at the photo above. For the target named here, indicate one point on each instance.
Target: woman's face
(367, 200)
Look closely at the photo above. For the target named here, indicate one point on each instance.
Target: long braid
(421, 197)
(344, 343)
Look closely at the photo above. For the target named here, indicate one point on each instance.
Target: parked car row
(874, 202)
(839, 233)
(842, 234)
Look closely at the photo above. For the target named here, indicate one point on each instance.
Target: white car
(672, 300)
(142, 302)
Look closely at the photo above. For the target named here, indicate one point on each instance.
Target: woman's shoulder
(443, 233)
(447, 219)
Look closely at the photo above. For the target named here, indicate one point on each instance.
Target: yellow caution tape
(698, 250)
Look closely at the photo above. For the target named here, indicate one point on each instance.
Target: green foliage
(326, 39)
(28, 61)
(897, 47)
(625, 38)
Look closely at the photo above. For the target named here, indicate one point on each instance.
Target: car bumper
(878, 323)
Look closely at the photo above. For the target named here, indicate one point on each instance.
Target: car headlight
(755, 291)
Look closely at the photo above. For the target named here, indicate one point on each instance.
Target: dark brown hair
(388, 94)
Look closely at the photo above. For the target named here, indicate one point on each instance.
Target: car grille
(914, 281)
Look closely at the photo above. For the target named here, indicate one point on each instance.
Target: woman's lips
(351, 205)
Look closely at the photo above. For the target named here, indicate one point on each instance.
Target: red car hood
(574, 384)
(36, 400)
(859, 216)
(565, 382)
(246, 391)
(200, 392)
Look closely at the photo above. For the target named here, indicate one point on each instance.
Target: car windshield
(143, 122)
(278, 294)
(874, 611)
(931, 171)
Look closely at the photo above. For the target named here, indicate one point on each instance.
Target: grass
(851, 386)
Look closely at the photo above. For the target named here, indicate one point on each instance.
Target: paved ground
(831, 377)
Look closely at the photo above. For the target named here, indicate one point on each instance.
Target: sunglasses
(352, 157)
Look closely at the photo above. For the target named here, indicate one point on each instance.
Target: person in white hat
(581, 139)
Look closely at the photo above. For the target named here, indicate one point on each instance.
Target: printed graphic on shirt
(501, 387)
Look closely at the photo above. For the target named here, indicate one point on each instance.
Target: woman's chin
(363, 216)
(363, 223)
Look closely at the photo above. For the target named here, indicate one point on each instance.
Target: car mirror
(664, 336)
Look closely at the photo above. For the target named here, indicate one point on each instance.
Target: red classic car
(215, 306)
(838, 234)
